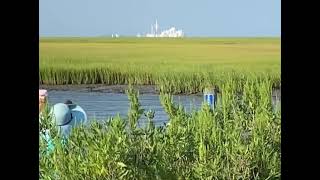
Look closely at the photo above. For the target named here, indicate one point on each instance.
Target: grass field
(175, 65)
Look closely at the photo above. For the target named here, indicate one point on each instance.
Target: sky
(197, 18)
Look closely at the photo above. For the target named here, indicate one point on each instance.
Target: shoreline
(143, 89)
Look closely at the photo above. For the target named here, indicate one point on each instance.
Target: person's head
(43, 95)
(42, 98)
(70, 104)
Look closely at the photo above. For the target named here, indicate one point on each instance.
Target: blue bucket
(209, 98)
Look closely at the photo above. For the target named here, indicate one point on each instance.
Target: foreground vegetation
(173, 65)
(239, 140)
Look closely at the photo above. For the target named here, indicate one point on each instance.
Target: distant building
(172, 32)
(115, 35)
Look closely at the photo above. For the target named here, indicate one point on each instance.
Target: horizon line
(130, 36)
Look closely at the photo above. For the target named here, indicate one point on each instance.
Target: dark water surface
(101, 105)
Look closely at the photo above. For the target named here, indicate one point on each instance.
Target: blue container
(210, 99)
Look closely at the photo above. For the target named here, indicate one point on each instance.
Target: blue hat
(62, 114)
(62, 117)
(66, 116)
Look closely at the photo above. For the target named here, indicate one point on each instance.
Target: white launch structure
(115, 35)
(172, 32)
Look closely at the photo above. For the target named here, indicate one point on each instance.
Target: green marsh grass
(173, 65)
(240, 139)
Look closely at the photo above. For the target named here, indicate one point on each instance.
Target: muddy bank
(143, 89)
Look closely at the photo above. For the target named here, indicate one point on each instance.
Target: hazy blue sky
(129, 17)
